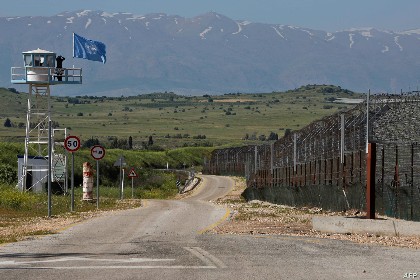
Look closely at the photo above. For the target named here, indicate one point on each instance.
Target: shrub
(8, 174)
(13, 199)
(8, 123)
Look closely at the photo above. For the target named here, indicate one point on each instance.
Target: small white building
(37, 173)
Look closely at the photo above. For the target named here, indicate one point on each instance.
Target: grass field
(174, 120)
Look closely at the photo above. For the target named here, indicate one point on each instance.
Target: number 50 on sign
(72, 143)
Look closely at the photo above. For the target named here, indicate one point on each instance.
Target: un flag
(88, 49)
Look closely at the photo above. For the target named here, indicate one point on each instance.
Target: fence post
(352, 168)
(256, 159)
(294, 152)
(383, 173)
(360, 166)
(325, 172)
(320, 172)
(272, 157)
(412, 181)
(338, 172)
(342, 139)
(367, 121)
(370, 181)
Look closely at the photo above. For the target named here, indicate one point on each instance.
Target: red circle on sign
(97, 152)
(72, 143)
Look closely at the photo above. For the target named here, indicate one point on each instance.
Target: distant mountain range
(212, 53)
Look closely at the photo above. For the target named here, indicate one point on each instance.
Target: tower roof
(39, 51)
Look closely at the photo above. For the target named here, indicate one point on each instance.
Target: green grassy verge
(20, 211)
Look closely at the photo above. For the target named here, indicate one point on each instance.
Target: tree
(8, 123)
(55, 124)
(13, 90)
(119, 144)
(262, 137)
(273, 136)
(91, 142)
(114, 143)
(130, 143)
(287, 132)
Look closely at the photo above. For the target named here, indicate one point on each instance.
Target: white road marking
(210, 261)
(132, 260)
(205, 256)
(117, 267)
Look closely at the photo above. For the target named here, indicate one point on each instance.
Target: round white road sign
(97, 152)
(72, 143)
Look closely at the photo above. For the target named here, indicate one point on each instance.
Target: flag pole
(73, 44)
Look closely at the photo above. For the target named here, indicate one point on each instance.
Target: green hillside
(174, 120)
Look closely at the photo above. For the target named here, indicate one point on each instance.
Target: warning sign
(132, 173)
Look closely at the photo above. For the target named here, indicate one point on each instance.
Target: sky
(326, 15)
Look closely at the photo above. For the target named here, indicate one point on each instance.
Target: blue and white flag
(88, 49)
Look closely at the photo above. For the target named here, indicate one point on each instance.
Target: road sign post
(49, 168)
(122, 184)
(98, 153)
(120, 163)
(132, 174)
(72, 144)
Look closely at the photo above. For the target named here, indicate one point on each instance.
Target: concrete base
(384, 227)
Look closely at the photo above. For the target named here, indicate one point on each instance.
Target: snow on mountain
(203, 34)
(212, 52)
(411, 32)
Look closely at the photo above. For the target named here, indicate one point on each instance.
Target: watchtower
(41, 70)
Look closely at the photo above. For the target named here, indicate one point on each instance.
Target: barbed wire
(331, 153)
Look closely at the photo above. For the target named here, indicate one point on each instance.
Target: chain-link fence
(324, 164)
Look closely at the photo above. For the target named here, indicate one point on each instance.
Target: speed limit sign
(72, 143)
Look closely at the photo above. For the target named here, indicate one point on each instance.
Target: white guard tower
(41, 69)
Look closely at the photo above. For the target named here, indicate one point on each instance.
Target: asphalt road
(166, 240)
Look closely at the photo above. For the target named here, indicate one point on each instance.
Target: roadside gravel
(257, 217)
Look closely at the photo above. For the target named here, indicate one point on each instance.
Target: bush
(8, 174)
(8, 123)
(13, 199)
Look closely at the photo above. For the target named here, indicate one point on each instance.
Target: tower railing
(42, 75)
